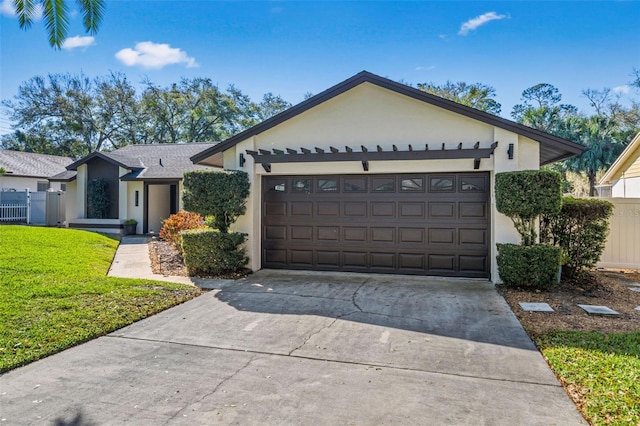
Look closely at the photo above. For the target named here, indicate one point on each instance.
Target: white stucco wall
(369, 115)
(18, 183)
(133, 211)
(626, 188)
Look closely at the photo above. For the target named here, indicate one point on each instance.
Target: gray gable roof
(29, 164)
(552, 148)
(151, 162)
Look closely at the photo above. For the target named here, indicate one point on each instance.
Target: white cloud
(424, 68)
(78, 41)
(7, 9)
(622, 90)
(478, 21)
(154, 55)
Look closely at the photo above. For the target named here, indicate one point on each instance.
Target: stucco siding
(369, 115)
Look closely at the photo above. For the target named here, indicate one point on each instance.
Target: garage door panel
(354, 259)
(473, 237)
(473, 210)
(328, 258)
(412, 210)
(442, 236)
(301, 208)
(355, 234)
(302, 233)
(301, 257)
(473, 263)
(276, 257)
(410, 261)
(276, 232)
(442, 210)
(382, 260)
(384, 209)
(384, 235)
(428, 224)
(358, 209)
(328, 233)
(411, 235)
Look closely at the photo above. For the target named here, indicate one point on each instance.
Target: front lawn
(54, 292)
(601, 372)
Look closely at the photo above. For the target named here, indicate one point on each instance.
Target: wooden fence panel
(622, 249)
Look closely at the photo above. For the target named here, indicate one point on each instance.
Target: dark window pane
(301, 185)
(472, 184)
(384, 184)
(441, 184)
(278, 185)
(327, 185)
(412, 184)
(355, 184)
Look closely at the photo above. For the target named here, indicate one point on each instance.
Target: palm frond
(92, 12)
(56, 20)
(26, 10)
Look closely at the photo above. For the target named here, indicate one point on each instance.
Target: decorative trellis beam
(267, 158)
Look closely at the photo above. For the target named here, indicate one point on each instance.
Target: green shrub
(525, 195)
(580, 229)
(529, 266)
(211, 252)
(98, 199)
(178, 222)
(222, 195)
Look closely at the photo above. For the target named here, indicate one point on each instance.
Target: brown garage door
(425, 224)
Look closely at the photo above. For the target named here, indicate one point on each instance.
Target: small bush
(178, 222)
(211, 252)
(525, 195)
(529, 266)
(222, 195)
(580, 229)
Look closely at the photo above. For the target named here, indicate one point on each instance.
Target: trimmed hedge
(211, 252)
(525, 195)
(222, 195)
(529, 266)
(580, 229)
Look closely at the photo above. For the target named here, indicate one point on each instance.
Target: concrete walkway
(287, 348)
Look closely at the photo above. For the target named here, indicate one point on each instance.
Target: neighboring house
(622, 180)
(375, 176)
(27, 170)
(144, 183)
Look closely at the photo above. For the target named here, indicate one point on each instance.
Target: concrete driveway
(304, 348)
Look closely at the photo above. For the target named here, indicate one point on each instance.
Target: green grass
(54, 292)
(604, 368)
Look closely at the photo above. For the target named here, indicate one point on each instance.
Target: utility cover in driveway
(423, 224)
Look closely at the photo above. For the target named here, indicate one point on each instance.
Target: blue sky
(292, 48)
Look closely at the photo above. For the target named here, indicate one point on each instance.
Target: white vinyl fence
(33, 208)
(622, 249)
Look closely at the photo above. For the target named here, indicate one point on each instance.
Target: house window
(137, 198)
(301, 185)
(438, 184)
(43, 185)
(63, 187)
(384, 184)
(412, 184)
(355, 184)
(327, 185)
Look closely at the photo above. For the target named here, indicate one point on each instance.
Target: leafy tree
(56, 16)
(542, 110)
(475, 95)
(74, 110)
(597, 134)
